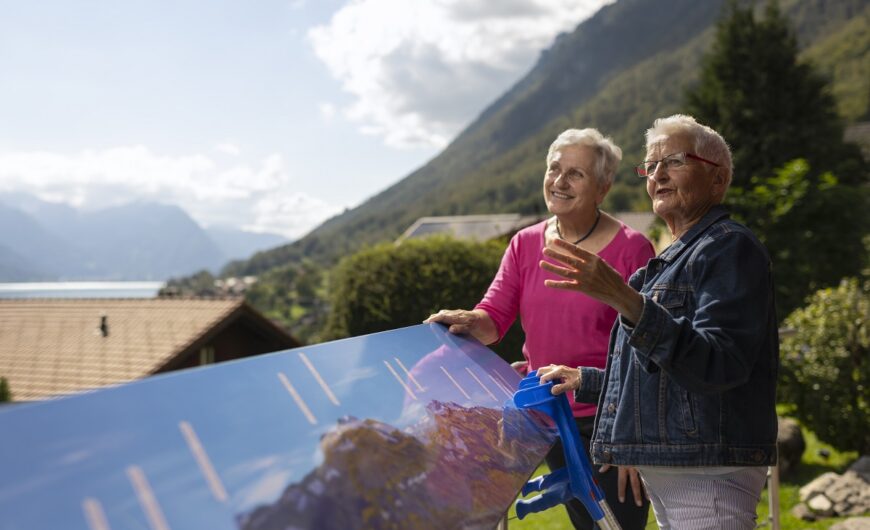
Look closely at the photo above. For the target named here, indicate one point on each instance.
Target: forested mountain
(617, 71)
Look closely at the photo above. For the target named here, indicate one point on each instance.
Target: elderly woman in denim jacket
(687, 397)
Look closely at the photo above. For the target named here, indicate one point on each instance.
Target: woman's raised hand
(589, 274)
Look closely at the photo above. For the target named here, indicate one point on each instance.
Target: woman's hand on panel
(476, 323)
(521, 367)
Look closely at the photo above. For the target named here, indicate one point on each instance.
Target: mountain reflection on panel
(406, 429)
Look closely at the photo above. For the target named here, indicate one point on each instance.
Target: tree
(388, 286)
(826, 364)
(773, 110)
(5, 392)
(292, 296)
(769, 107)
(812, 231)
(200, 284)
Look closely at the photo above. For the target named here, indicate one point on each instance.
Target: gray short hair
(608, 153)
(707, 142)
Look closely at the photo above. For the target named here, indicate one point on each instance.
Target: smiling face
(571, 185)
(682, 196)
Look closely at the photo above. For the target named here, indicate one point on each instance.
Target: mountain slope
(237, 244)
(617, 71)
(29, 251)
(573, 70)
(47, 241)
(145, 240)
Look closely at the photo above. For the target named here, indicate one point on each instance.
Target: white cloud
(419, 71)
(228, 148)
(327, 110)
(259, 197)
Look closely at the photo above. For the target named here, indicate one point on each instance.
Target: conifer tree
(770, 107)
(796, 183)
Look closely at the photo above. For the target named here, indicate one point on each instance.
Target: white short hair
(707, 142)
(608, 154)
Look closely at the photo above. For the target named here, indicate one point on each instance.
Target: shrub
(826, 364)
(5, 393)
(387, 286)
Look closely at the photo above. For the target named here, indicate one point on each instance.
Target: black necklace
(587, 234)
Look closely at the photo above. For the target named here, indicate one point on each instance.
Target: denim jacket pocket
(687, 410)
(682, 420)
(674, 299)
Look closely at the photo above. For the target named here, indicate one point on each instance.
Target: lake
(80, 289)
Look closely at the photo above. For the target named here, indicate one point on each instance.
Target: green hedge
(826, 364)
(389, 286)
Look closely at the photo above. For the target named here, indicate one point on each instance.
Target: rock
(850, 484)
(818, 485)
(855, 523)
(790, 444)
(801, 511)
(841, 495)
(821, 505)
(862, 467)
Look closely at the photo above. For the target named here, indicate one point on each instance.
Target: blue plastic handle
(557, 487)
(556, 495)
(545, 482)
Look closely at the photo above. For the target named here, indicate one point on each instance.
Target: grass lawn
(812, 465)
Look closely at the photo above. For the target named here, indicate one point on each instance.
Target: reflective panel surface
(411, 428)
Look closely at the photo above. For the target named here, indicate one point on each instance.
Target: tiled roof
(475, 227)
(50, 347)
(483, 227)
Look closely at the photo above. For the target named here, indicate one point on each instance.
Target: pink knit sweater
(561, 327)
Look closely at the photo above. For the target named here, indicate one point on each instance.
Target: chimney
(104, 325)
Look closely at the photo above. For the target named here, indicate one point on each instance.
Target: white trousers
(709, 498)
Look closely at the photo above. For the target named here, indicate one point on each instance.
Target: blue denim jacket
(693, 382)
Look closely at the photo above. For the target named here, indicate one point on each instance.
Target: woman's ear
(602, 193)
(719, 184)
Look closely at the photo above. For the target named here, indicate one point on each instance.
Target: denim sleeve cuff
(591, 383)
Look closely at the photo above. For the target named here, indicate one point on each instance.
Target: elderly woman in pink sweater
(562, 328)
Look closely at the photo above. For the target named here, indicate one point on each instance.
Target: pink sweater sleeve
(502, 300)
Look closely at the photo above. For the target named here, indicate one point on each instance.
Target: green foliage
(387, 286)
(496, 165)
(5, 392)
(605, 74)
(768, 106)
(199, 284)
(826, 364)
(294, 296)
(811, 225)
(843, 56)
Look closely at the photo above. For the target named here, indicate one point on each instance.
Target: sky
(268, 115)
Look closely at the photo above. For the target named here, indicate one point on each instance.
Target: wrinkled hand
(627, 475)
(583, 271)
(460, 321)
(589, 274)
(521, 367)
(568, 379)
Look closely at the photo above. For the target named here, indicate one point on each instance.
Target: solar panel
(412, 428)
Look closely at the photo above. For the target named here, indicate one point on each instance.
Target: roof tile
(51, 346)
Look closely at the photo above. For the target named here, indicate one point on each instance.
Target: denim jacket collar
(716, 213)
